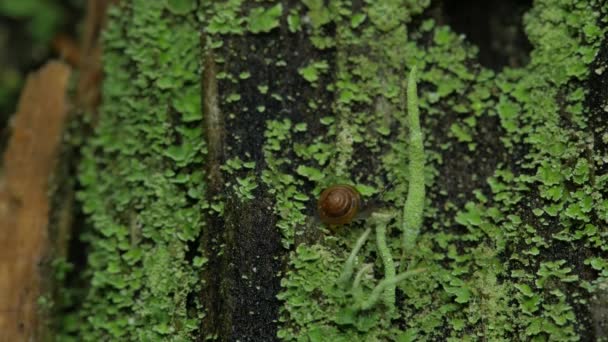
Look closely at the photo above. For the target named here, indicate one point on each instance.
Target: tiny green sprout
(414, 204)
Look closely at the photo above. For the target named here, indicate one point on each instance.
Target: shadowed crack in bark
(242, 245)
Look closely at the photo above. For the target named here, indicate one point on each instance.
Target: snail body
(339, 204)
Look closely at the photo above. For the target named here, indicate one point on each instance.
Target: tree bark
(29, 162)
(222, 122)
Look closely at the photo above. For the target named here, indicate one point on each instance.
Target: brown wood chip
(24, 204)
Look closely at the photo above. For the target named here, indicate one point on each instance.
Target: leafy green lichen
(264, 20)
(512, 240)
(493, 247)
(142, 182)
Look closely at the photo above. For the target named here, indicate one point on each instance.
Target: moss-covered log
(222, 121)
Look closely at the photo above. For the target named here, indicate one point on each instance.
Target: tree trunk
(221, 123)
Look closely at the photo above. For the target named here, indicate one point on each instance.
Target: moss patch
(515, 210)
(142, 182)
(513, 238)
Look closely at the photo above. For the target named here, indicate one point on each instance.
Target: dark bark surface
(245, 250)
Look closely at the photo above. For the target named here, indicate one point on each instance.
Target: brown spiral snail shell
(339, 204)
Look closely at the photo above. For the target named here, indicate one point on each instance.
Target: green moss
(181, 6)
(290, 202)
(480, 255)
(264, 20)
(294, 22)
(311, 72)
(245, 187)
(142, 182)
(318, 272)
(500, 246)
(225, 18)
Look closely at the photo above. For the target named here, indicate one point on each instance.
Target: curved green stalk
(357, 282)
(347, 272)
(381, 221)
(383, 285)
(414, 205)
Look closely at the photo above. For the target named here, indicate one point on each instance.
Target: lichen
(511, 256)
(512, 242)
(142, 183)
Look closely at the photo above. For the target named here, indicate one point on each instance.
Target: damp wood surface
(24, 204)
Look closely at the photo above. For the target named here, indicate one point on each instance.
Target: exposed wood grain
(24, 204)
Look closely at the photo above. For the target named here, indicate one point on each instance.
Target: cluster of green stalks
(410, 224)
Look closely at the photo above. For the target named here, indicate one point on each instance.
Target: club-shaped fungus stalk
(414, 204)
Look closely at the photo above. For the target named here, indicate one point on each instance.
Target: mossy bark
(223, 121)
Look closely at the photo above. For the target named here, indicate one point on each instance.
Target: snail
(339, 204)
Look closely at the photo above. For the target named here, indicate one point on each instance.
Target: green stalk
(381, 221)
(383, 285)
(347, 272)
(414, 205)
